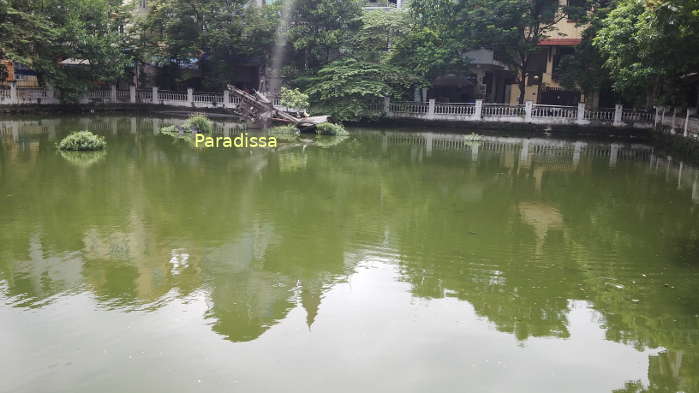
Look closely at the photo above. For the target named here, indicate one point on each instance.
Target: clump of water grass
(285, 133)
(331, 129)
(199, 123)
(82, 141)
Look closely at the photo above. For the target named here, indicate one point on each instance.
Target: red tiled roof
(560, 42)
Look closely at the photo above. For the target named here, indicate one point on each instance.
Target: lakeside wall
(674, 121)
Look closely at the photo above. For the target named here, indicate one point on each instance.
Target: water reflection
(521, 230)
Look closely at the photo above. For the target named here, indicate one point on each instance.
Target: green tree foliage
(42, 33)
(23, 32)
(321, 31)
(345, 88)
(434, 43)
(216, 33)
(648, 48)
(294, 98)
(379, 34)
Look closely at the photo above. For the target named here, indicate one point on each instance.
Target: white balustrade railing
(99, 94)
(4, 93)
(409, 107)
(165, 95)
(123, 95)
(208, 97)
(503, 110)
(600, 115)
(555, 111)
(144, 95)
(633, 116)
(455, 109)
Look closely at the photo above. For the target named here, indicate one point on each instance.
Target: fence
(677, 120)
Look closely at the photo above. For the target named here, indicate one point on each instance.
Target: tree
(23, 32)
(433, 44)
(321, 31)
(513, 29)
(216, 34)
(380, 33)
(645, 47)
(346, 88)
(294, 98)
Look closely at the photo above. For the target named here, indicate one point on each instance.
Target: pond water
(391, 261)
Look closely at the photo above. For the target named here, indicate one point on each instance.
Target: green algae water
(389, 261)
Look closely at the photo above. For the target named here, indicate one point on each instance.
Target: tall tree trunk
(522, 85)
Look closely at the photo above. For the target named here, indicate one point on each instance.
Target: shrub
(293, 98)
(200, 123)
(330, 129)
(82, 141)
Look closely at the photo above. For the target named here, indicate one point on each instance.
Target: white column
(132, 94)
(528, 109)
(581, 112)
(387, 105)
(226, 99)
(690, 111)
(428, 143)
(524, 153)
(478, 110)
(190, 97)
(657, 116)
(674, 117)
(613, 155)
(155, 96)
(577, 153)
(13, 92)
(50, 94)
(618, 112)
(113, 94)
(430, 108)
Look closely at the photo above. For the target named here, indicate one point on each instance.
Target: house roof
(560, 42)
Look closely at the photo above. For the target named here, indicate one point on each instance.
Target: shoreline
(674, 145)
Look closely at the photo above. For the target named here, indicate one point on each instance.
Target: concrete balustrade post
(132, 94)
(656, 119)
(155, 96)
(478, 110)
(430, 108)
(618, 112)
(674, 117)
(528, 109)
(113, 94)
(50, 94)
(387, 106)
(690, 111)
(581, 112)
(190, 97)
(226, 99)
(13, 93)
